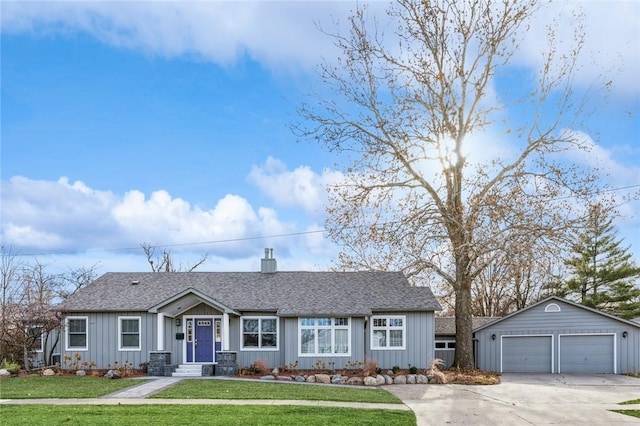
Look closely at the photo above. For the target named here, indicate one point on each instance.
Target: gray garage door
(590, 354)
(526, 354)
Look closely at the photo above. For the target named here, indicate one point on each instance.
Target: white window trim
(66, 334)
(259, 347)
(388, 328)
(331, 327)
(129, 348)
(552, 307)
(447, 344)
(41, 337)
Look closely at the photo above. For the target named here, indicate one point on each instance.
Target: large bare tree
(411, 102)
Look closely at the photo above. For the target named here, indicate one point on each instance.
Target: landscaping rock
(421, 379)
(380, 380)
(411, 379)
(4, 372)
(284, 378)
(112, 374)
(268, 377)
(48, 372)
(81, 373)
(338, 379)
(400, 380)
(299, 379)
(311, 379)
(355, 381)
(275, 371)
(323, 378)
(370, 381)
(388, 379)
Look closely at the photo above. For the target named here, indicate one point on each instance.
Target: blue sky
(168, 123)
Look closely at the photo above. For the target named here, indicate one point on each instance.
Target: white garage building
(559, 336)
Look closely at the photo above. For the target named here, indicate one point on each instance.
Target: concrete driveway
(525, 399)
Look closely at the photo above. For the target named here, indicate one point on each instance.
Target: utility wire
(292, 234)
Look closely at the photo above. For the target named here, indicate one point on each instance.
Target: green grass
(227, 389)
(632, 413)
(61, 387)
(633, 401)
(201, 415)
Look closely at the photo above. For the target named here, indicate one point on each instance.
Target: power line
(228, 240)
(292, 234)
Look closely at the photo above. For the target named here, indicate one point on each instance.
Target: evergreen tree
(603, 274)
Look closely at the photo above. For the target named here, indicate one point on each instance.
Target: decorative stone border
(339, 379)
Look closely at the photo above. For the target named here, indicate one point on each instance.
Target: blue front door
(203, 340)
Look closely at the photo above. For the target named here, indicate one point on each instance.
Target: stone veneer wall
(160, 364)
(226, 364)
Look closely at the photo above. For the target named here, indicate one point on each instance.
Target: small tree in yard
(29, 293)
(410, 105)
(603, 274)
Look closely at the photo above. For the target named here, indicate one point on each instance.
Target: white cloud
(612, 41)
(278, 34)
(101, 227)
(285, 34)
(301, 187)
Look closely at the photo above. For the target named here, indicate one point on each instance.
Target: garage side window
(446, 345)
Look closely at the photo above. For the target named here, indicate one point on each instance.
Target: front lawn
(632, 413)
(61, 387)
(633, 401)
(201, 415)
(238, 389)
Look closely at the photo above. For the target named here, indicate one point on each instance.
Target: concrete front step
(188, 371)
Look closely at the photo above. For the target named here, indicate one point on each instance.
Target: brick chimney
(269, 264)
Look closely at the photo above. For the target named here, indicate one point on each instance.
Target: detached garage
(559, 336)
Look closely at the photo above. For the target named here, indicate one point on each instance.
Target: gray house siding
(103, 341)
(574, 336)
(418, 351)
(230, 296)
(245, 358)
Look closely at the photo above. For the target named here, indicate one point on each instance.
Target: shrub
(11, 367)
(260, 366)
(395, 369)
(413, 369)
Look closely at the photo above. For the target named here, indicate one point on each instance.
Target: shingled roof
(285, 293)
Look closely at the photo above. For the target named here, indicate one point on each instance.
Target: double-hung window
(35, 333)
(388, 332)
(324, 336)
(129, 333)
(77, 334)
(260, 333)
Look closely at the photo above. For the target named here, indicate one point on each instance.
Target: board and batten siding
(570, 320)
(291, 347)
(419, 342)
(245, 358)
(102, 341)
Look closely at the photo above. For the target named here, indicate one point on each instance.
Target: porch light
(625, 334)
(493, 336)
(178, 322)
